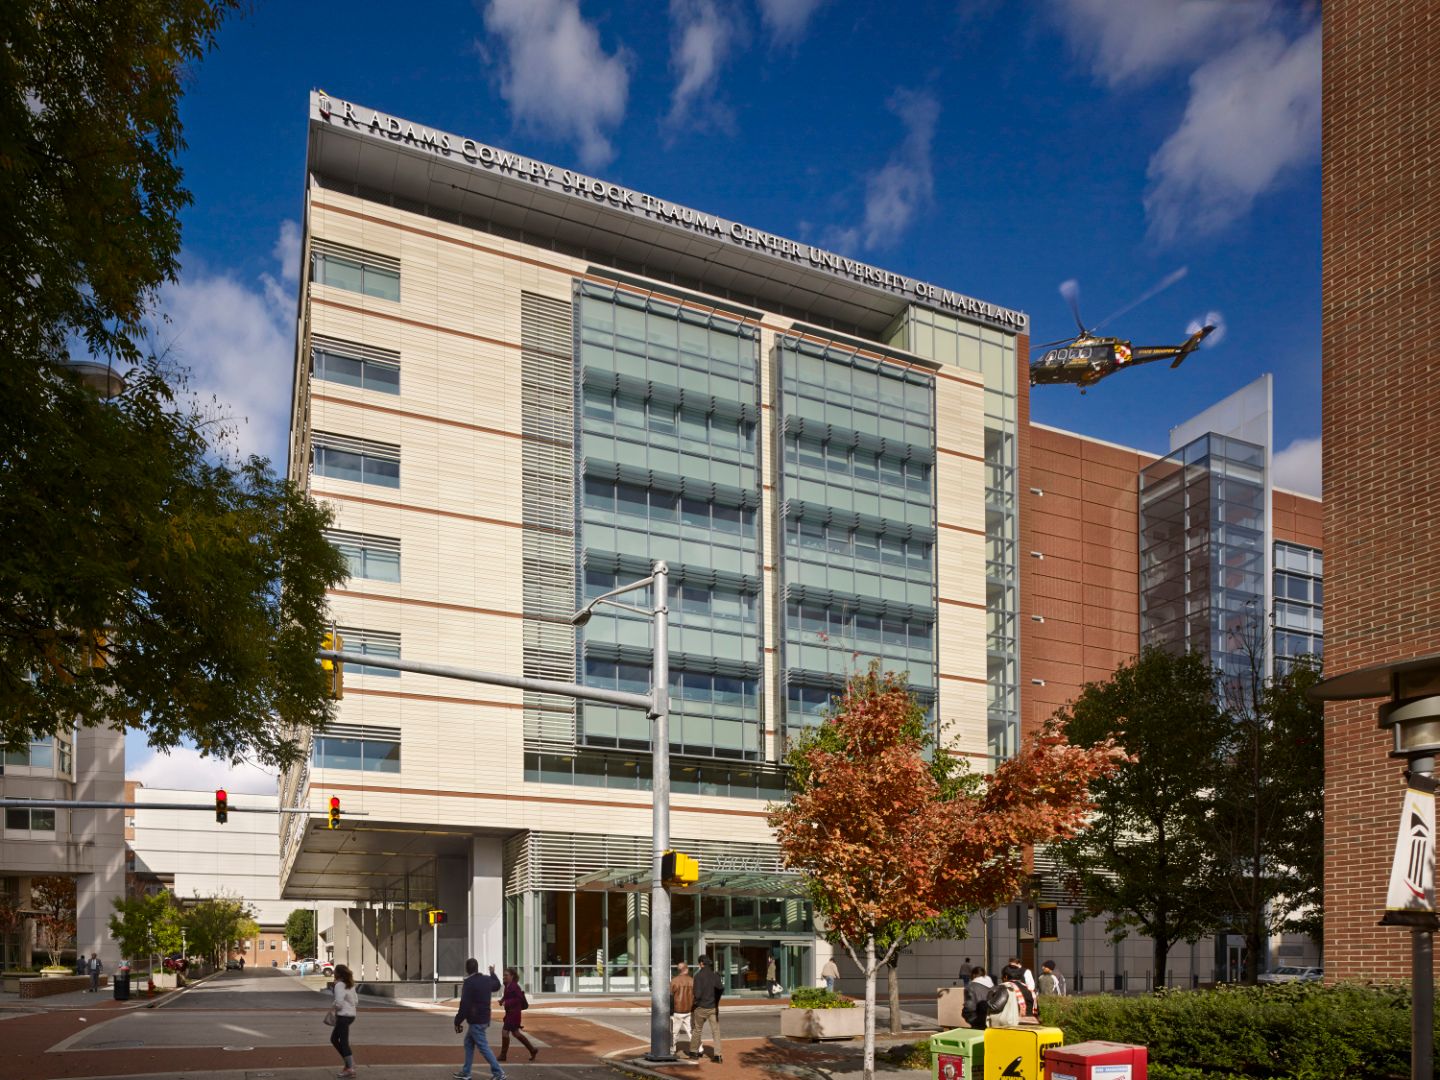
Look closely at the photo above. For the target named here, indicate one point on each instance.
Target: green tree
(145, 582)
(12, 918)
(1266, 829)
(214, 925)
(1143, 861)
(300, 932)
(145, 925)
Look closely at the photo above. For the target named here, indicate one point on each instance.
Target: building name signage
(579, 185)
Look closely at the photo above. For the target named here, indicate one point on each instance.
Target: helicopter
(1085, 360)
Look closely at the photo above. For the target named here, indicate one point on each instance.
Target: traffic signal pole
(657, 707)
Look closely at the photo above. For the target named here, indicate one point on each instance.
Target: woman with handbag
(514, 1002)
(341, 1016)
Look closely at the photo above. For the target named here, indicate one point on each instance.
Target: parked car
(1291, 973)
(327, 968)
(233, 965)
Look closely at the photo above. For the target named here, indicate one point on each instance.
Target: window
(20, 819)
(358, 460)
(372, 643)
(362, 747)
(358, 271)
(373, 557)
(361, 366)
(42, 755)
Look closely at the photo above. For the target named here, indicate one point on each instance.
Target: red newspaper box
(1096, 1061)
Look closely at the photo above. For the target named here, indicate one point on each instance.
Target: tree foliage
(888, 841)
(1217, 824)
(1142, 863)
(1267, 819)
(300, 932)
(52, 896)
(216, 925)
(146, 925)
(145, 582)
(12, 918)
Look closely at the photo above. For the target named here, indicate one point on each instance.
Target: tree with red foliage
(886, 841)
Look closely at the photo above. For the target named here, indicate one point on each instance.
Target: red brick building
(1381, 316)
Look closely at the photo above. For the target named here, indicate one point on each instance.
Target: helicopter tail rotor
(1191, 344)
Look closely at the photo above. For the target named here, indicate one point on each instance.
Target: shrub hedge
(1294, 1031)
(817, 997)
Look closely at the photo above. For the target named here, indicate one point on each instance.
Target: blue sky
(994, 148)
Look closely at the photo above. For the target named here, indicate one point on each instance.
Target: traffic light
(222, 806)
(333, 642)
(335, 811)
(437, 916)
(679, 869)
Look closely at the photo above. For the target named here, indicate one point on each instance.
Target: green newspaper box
(958, 1054)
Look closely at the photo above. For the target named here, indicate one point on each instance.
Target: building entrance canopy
(711, 882)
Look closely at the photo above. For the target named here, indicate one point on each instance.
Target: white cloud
(905, 185)
(1131, 40)
(237, 341)
(287, 251)
(186, 769)
(1253, 116)
(1297, 467)
(786, 19)
(556, 76)
(701, 38)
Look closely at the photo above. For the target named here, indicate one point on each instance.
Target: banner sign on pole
(1410, 900)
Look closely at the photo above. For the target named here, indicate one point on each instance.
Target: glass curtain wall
(1202, 552)
(857, 522)
(668, 461)
(991, 353)
(1299, 603)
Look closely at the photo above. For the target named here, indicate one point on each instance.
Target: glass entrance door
(745, 964)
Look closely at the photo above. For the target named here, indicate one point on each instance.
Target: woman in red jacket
(513, 1001)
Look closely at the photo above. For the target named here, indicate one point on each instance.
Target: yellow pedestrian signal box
(335, 688)
(437, 916)
(1019, 1053)
(334, 812)
(677, 868)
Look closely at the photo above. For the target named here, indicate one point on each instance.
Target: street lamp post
(1412, 715)
(659, 712)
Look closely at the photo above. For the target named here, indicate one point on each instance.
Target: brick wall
(1381, 319)
(1297, 519)
(1085, 524)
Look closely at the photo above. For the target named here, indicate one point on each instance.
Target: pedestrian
(771, 986)
(1010, 1001)
(475, 1011)
(346, 1003)
(1051, 981)
(514, 1002)
(830, 972)
(966, 970)
(95, 967)
(708, 991)
(242, 964)
(682, 1003)
(1025, 975)
(979, 985)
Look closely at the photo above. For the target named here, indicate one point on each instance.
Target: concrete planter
(168, 980)
(815, 1024)
(950, 1006)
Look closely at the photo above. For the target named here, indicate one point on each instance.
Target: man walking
(95, 967)
(708, 991)
(965, 968)
(830, 972)
(1051, 981)
(682, 1003)
(475, 1010)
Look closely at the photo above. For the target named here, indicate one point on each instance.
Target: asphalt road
(263, 988)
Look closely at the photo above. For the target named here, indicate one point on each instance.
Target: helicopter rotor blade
(1070, 289)
(1154, 290)
(1050, 344)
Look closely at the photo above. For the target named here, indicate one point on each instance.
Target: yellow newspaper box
(1018, 1053)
